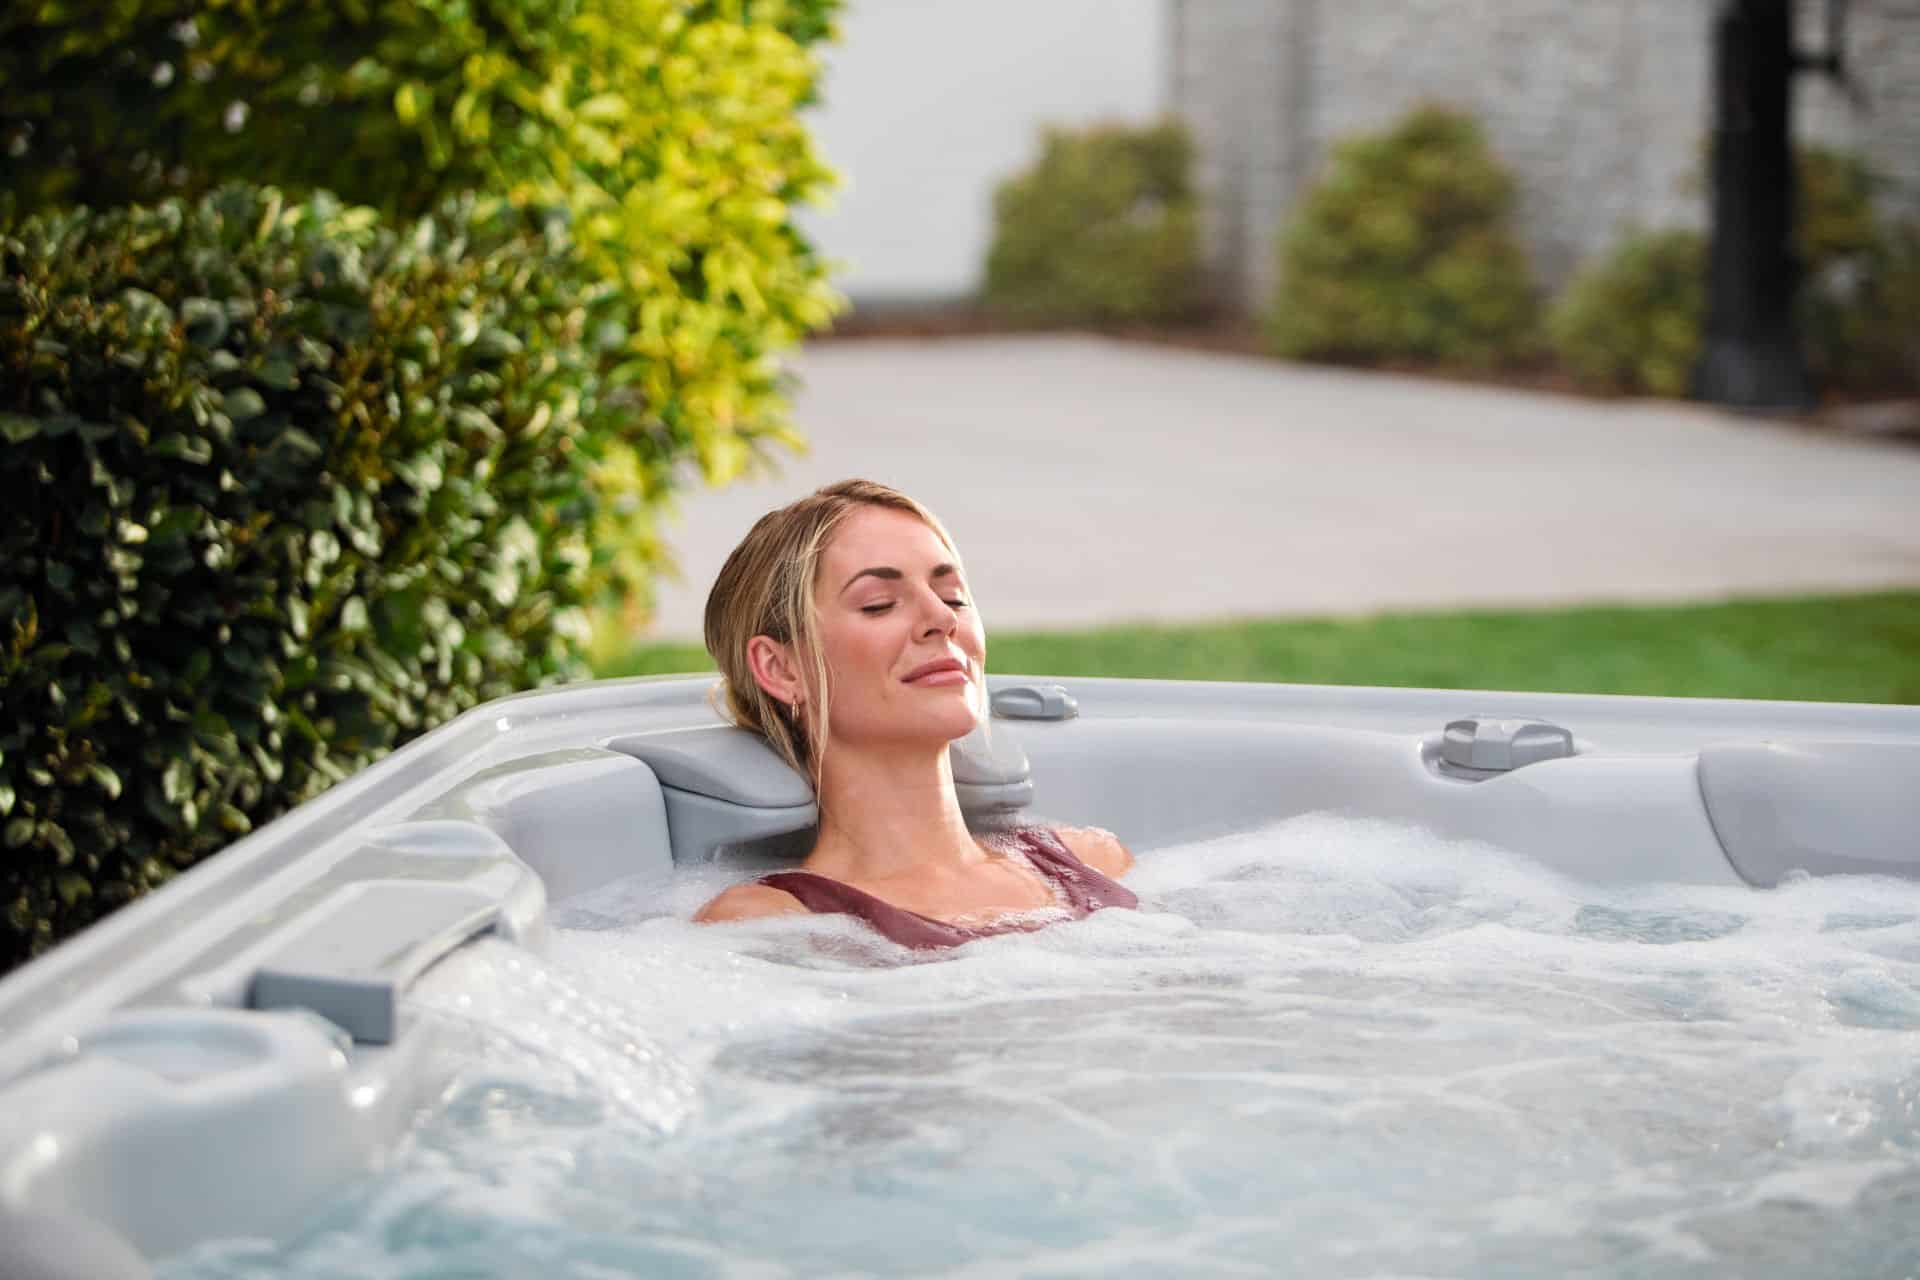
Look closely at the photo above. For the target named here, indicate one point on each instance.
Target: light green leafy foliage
(1404, 249)
(1101, 229)
(279, 488)
(668, 129)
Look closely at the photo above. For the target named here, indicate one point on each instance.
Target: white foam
(1347, 1045)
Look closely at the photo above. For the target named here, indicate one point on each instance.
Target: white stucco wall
(929, 103)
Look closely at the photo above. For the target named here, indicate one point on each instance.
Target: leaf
(159, 808)
(211, 730)
(298, 443)
(409, 100)
(174, 526)
(205, 321)
(106, 779)
(176, 781)
(604, 108)
(494, 344)
(186, 448)
(58, 840)
(17, 428)
(244, 403)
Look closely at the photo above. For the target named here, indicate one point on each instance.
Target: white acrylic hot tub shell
(139, 1094)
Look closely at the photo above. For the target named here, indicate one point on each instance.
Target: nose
(937, 616)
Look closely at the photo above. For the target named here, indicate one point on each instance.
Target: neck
(889, 810)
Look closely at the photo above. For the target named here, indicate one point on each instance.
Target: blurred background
(1088, 266)
(363, 365)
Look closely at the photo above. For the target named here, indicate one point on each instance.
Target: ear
(775, 670)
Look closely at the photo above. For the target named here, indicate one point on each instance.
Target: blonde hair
(766, 589)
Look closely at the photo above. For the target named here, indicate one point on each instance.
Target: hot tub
(216, 1059)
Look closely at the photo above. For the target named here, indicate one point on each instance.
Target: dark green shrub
(1102, 228)
(1633, 322)
(1404, 249)
(279, 488)
(669, 130)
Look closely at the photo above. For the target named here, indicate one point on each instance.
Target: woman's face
(903, 646)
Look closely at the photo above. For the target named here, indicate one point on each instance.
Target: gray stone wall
(1601, 110)
(1880, 117)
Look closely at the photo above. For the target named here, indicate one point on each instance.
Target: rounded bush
(1404, 249)
(1101, 229)
(1633, 321)
(280, 487)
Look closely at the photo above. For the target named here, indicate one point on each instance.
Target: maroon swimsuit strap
(1085, 889)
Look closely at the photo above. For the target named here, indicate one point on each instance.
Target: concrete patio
(1089, 480)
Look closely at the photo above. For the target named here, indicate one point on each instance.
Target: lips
(935, 668)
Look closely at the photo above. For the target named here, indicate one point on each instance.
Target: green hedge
(1633, 322)
(279, 487)
(1405, 249)
(1101, 229)
(669, 130)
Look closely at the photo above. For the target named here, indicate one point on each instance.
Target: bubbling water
(1331, 1047)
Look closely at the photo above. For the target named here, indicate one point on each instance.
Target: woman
(844, 634)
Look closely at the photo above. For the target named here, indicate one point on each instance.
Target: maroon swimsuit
(1082, 889)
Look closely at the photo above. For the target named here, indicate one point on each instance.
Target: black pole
(1752, 357)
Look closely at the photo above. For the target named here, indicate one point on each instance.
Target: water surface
(1331, 1047)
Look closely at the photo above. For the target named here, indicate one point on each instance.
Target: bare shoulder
(749, 901)
(1098, 848)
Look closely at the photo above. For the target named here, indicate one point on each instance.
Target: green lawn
(1858, 648)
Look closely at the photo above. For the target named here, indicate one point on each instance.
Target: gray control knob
(1492, 744)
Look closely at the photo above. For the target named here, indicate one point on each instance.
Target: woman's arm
(1098, 848)
(749, 901)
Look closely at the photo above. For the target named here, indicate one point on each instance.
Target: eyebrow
(894, 575)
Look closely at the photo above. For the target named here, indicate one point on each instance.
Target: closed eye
(877, 609)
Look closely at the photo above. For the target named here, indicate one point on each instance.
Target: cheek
(973, 636)
(856, 651)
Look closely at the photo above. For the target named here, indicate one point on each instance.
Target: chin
(951, 718)
(957, 719)
(934, 722)
(963, 723)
